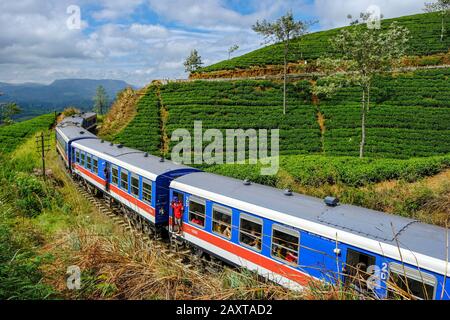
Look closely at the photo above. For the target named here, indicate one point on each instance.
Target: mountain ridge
(36, 99)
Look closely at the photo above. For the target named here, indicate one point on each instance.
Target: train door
(107, 172)
(358, 270)
(180, 197)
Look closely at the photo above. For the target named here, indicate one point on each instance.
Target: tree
(282, 30)
(232, 49)
(193, 62)
(443, 7)
(364, 52)
(101, 100)
(7, 111)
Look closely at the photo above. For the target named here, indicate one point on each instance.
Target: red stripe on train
(118, 191)
(258, 259)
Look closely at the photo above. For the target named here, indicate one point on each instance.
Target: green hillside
(143, 131)
(244, 105)
(16, 134)
(425, 40)
(409, 115)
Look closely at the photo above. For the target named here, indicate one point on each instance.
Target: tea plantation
(143, 131)
(14, 135)
(409, 117)
(244, 105)
(425, 30)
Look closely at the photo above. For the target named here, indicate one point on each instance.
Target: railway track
(171, 248)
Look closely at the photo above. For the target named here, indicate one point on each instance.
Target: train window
(197, 211)
(115, 175)
(405, 282)
(124, 179)
(147, 191)
(285, 244)
(135, 185)
(221, 218)
(77, 156)
(95, 164)
(250, 232)
(357, 268)
(82, 159)
(88, 161)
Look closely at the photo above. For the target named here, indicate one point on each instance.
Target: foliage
(7, 111)
(143, 131)
(365, 52)
(245, 105)
(409, 117)
(193, 62)
(424, 40)
(14, 135)
(443, 8)
(101, 100)
(282, 30)
(232, 49)
(352, 171)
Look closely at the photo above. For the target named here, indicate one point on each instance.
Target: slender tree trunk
(285, 77)
(363, 124)
(442, 28)
(368, 98)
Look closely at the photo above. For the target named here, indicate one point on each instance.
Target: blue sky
(141, 40)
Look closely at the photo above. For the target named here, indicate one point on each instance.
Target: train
(285, 237)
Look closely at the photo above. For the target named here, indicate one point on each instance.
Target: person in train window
(227, 232)
(291, 257)
(178, 208)
(256, 241)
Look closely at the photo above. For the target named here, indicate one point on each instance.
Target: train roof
(71, 131)
(87, 115)
(346, 222)
(139, 162)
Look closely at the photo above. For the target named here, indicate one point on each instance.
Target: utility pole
(42, 148)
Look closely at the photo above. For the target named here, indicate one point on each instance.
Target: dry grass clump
(122, 112)
(124, 267)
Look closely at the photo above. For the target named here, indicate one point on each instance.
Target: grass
(424, 30)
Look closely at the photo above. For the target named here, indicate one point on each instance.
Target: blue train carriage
(67, 132)
(89, 121)
(293, 239)
(139, 182)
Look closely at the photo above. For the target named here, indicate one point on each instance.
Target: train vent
(247, 182)
(146, 155)
(288, 192)
(162, 159)
(81, 132)
(331, 201)
(120, 146)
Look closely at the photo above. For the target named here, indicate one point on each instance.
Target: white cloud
(113, 9)
(148, 31)
(36, 45)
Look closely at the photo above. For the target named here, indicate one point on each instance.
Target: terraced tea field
(14, 135)
(424, 30)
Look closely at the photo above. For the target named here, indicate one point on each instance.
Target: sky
(141, 40)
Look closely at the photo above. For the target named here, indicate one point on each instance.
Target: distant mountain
(36, 99)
